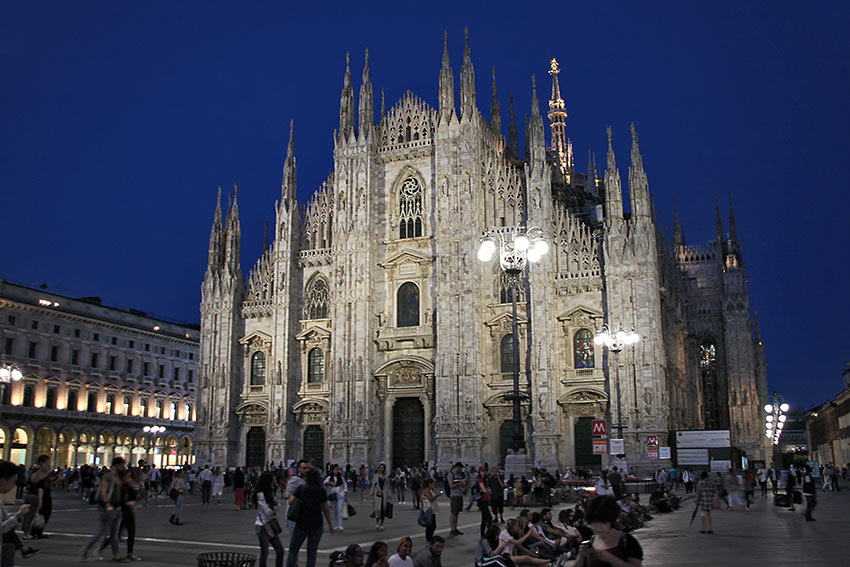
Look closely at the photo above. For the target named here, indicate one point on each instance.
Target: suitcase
(781, 500)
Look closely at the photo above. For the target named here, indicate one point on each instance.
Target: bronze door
(314, 445)
(584, 444)
(255, 448)
(408, 432)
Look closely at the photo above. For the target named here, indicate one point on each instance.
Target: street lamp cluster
(516, 247)
(774, 421)
(9, 373)
(616, 342)
(153, 429)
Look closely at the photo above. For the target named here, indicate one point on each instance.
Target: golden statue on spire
(554, 69)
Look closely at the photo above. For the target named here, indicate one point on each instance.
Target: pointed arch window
(407, 305)
(258, 369)
(505, 289)
(316, 306)
(315, 366)
(583, 354)
(506, 354)
(410, 209)
(708, 376)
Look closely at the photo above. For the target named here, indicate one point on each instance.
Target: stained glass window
(506, 354)
(407, 305)
(315, 366)
(316, 306)
(258, 369)
(583, 349)
(410, 209)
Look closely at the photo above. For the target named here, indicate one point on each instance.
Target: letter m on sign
(599, 427)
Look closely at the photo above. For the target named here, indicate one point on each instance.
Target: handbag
(174, 494)
(351, 510)
(426, 518)
(272, 527)
(388, 510)
(294, 511)
(37, 522)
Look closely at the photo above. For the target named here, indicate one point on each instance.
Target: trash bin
(226, 559)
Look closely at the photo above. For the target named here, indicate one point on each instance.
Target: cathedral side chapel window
(258, 369)
(583, 349)
(407, 305)
(410, 209)
(317, 300)
(315, 366)
(506, 354)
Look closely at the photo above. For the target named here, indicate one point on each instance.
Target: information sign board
(618, 446)
(711, 438)
(664, 452)
(599, 427)
(599, 446)
(692, 456)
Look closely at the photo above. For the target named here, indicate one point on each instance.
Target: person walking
(314, 504)
(38, 497)
(292, 484)
(8, 522)
(217, 484)
(177, 492)
(810, 492)
(457, 481)
(129, 498)
(705, 502)
(380, 495)
(238, 488)
(761, 475)
(771, 474)
(615, 479)
(497, 494)
(267, 507)
(483, 501)
(416, 486)
(206, 480)
(109, 508)
(429, 502)
(336, 487)
(790, 485)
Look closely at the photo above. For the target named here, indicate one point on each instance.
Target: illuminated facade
(369, 331)
(93, 378)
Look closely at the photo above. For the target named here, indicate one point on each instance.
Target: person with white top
(267, 508)
(337, 488)
(217, 484)
(402, 558)
(603, 487)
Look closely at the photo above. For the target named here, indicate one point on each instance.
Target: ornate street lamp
(516, 247)
(8, 373)
(774, 421)
(616, 342)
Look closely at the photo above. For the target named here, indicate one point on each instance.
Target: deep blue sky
(118, 121)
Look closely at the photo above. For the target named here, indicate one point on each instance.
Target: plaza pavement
(764, 535)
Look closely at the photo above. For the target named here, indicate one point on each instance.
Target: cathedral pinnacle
(495, 113)
(447, 89)
(718, 221)
(367, 108)
(535, 104)
(733, 229)
(346, 103)
(678, 239)
(289, 181)
(467, 81)
(613, 189)
(638, 184)
(535, 142)
(557, 121)
(513, 136)
(215, 251)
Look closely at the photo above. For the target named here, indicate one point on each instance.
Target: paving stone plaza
(763, 535)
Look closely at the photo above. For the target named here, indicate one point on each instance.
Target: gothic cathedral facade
(369, 331)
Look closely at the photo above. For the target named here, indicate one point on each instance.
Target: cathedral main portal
(255, 447)
(408, 432)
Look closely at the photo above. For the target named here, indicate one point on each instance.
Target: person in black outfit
(308, 526)
(497, 494)
(129, 497)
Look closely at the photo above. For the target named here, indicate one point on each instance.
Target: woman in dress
(609, 547)
(337, 487)
(429, 502)
(267, 507)
(380, 495)
(238, 488)
(308, 526)
(378, 555)
(218, 484)
(603, 487)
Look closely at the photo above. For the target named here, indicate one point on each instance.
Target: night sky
(119, 120)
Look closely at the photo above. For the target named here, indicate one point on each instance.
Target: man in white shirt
(205, 478)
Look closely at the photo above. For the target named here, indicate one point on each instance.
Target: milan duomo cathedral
(369, 331)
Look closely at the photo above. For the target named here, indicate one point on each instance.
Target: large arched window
(410, 209)
(407, 305)
(583, 349)
(316, 306)
(506, 354)
(315, 366)
(258, 369)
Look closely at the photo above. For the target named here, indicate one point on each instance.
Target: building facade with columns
(92, 378)
(369, 331)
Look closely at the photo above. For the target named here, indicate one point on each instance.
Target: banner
(712, 438)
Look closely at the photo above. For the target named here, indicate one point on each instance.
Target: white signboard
(720, 466)
(618, 446)
(714, 438)
(664, 452)
(692, 456)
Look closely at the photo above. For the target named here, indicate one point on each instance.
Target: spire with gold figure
(562, 147)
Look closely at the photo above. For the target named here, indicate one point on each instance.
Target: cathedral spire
(535, 140)
(288, 184)
(733, 230)
(718, 222)
(638, 184)
(367, 106)
(513, 137)
(346, 103)
(467, 81)
(557, 121)
(215, 251)
(495, 112)
(756, 326)
(266, 238)
(383, 107)
(591, 173)
(233, 236)
(677, 228)
(613, 190)
(447, 88)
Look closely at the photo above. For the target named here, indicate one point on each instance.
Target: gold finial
(553, 67)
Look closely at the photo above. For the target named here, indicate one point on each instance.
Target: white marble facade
(328, 349)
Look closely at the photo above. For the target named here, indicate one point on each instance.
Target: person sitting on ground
(378, 555)
(608, 547)
(402, 556)
(542, 544)
(429, 556)
(353, 556)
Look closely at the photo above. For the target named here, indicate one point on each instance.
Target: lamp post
(153, 430)
(616, 342)
(516, 247)
(8, 373)
(774, 421)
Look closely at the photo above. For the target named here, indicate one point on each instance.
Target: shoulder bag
(272, 527)
(294, 512)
